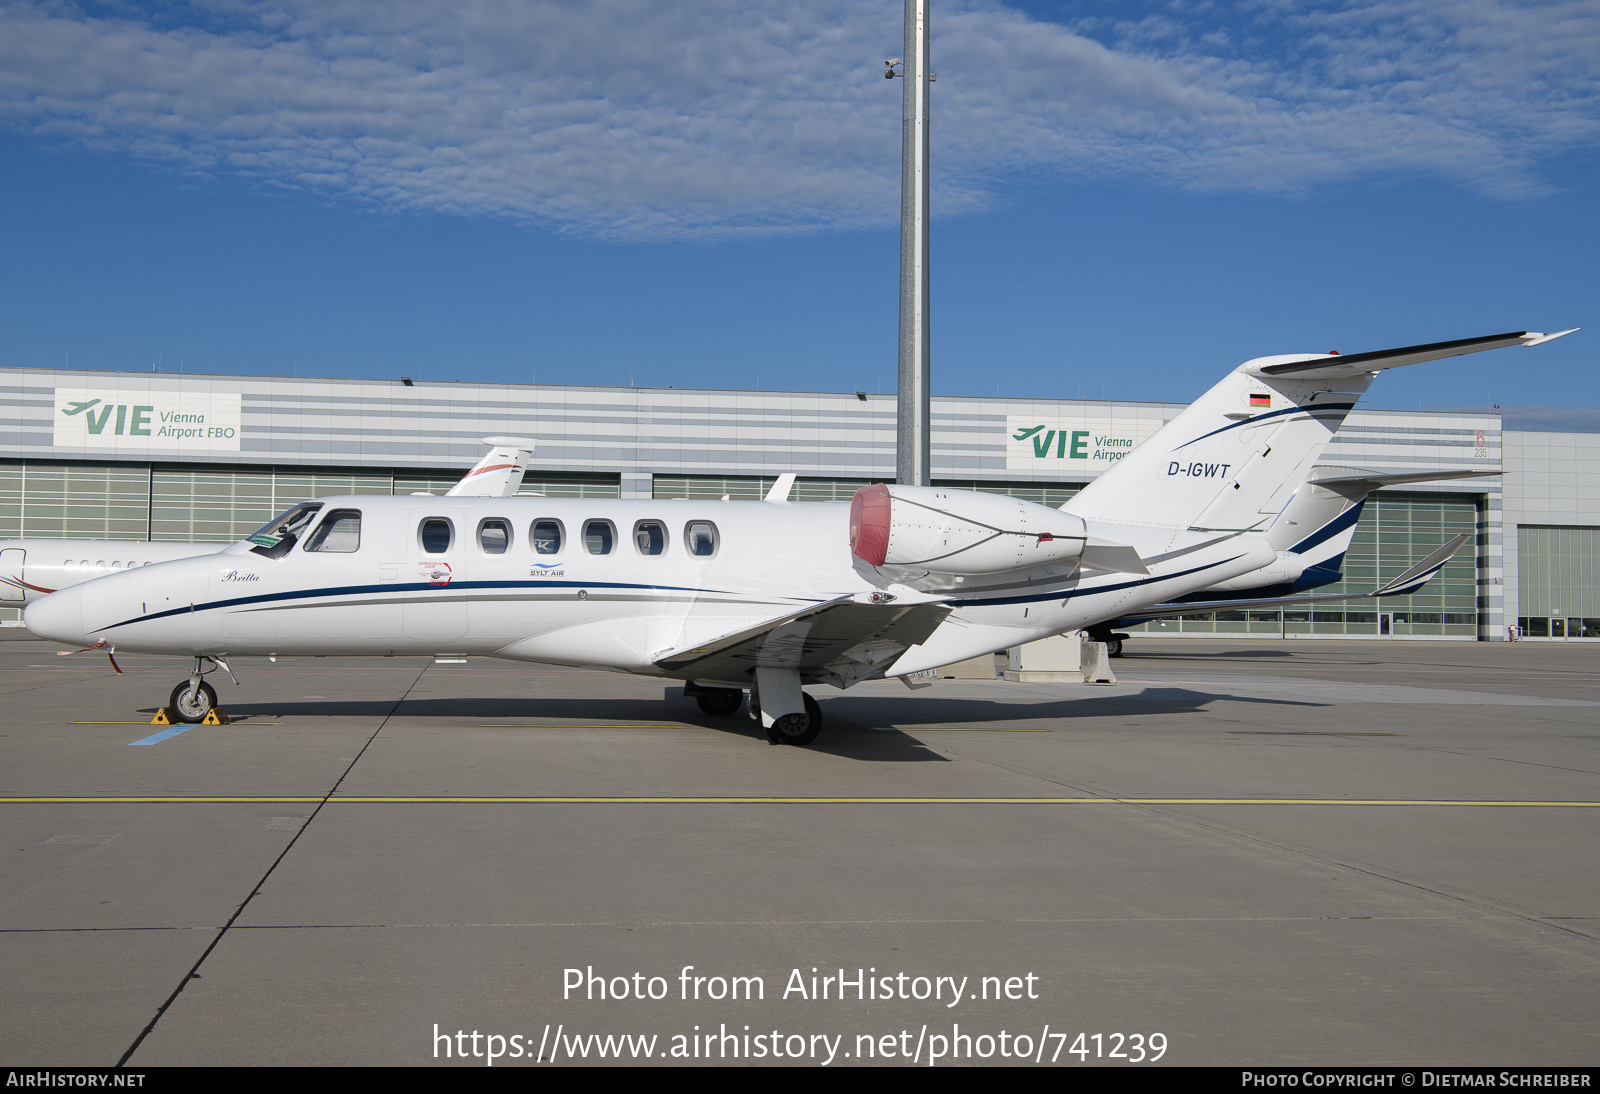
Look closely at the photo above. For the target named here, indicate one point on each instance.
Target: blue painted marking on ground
(157, 738)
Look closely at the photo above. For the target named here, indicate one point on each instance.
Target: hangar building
(164, 456)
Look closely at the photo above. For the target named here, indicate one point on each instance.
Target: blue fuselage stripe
(408, 587)
(1069, 594)
(1257, 419)
(1338, 524)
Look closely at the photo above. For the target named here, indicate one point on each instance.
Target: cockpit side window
(278, 536)
(650, 536)
(599, 536)
(435, 534)
(339, 533)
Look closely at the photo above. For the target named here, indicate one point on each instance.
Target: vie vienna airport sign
(124, 418)
(1077, 443)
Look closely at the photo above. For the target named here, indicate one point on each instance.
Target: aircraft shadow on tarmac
(840, 737)
(1206, 655)
(861, 728)
(935, 712)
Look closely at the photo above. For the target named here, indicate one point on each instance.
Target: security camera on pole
(913, 447)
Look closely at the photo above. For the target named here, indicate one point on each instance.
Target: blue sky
(1129, 199)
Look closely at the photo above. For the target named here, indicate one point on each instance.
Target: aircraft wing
(1409, 582)
(843, 637)
(1333, 366)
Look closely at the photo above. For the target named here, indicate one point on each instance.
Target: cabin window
(338, 534)
(546, 536)
(275, 538)
(494, 536)
(599, 536)
(650, 536)
(436, 534)
(700, 537)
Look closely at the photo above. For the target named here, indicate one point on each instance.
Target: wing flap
(812, 640)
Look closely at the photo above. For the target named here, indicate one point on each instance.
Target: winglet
(781, 487)
(1418, 575)
(1533, 338)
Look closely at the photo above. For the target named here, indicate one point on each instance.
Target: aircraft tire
(788, 731)
(1114, 647)
(195, 710)
(720, 702)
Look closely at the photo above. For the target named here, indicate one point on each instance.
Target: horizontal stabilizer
(1333, 366)
(1366, 483)
(1409, 582)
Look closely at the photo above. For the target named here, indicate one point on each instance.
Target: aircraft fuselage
(604, 583)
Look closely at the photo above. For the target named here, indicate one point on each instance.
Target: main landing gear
(790, 717)
(193, 698)
(796, 729)
(719, 702)
(1113, 640)
(799, 724)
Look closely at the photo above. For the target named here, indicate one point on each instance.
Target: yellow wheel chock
(216, 716)
(161, 718)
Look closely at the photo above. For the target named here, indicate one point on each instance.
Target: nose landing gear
(193, 698)
(192, 701)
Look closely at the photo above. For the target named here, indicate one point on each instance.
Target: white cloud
(636, 119)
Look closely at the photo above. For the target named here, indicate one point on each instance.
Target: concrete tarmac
(1245, 853)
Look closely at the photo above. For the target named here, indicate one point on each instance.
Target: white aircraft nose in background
(58, 617)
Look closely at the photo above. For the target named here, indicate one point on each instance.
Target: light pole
(913, 443)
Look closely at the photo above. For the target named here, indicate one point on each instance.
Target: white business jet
(763, 597)
(32, 568)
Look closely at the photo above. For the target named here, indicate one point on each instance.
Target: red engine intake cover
(869, 523)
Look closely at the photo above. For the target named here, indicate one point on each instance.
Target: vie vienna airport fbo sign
(122, 418)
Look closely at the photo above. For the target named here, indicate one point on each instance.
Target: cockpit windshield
(277, 537)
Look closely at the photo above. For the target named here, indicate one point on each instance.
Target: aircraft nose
(58, 617)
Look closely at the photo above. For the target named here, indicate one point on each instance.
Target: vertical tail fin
(1231, 460)
(499, 474)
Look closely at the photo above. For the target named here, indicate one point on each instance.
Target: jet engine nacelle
(959, 531)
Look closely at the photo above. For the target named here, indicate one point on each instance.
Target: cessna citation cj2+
(763, 597)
